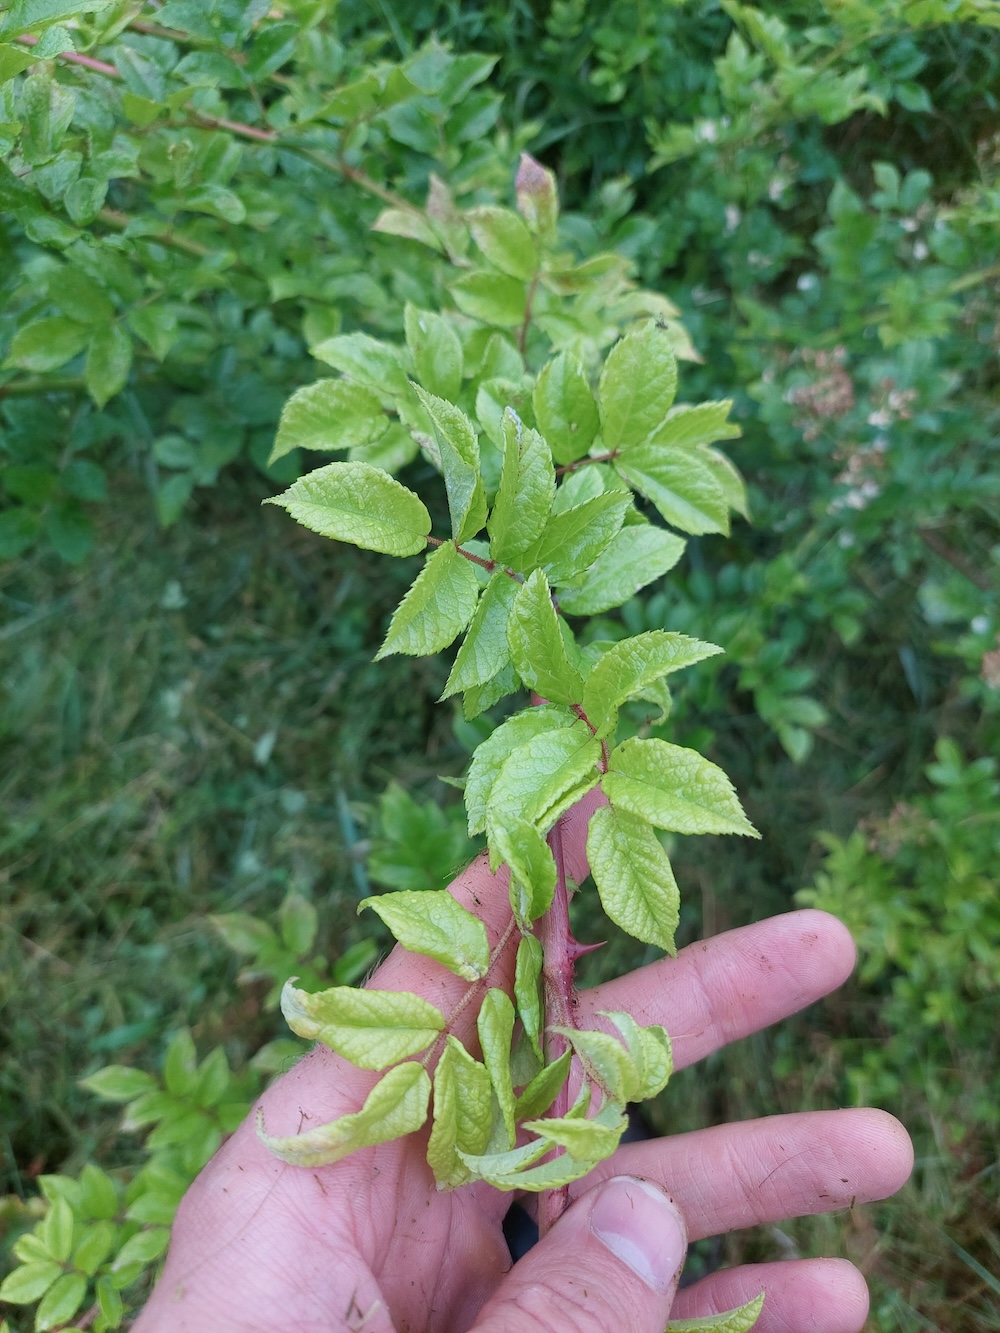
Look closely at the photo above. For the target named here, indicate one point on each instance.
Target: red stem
(583, 462)
(72, 58)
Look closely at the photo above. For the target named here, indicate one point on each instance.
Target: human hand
(370, 1245)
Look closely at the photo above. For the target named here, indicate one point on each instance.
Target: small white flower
(807, 282)
(733, 216)
(879, 418)
(706, 131)
(979, 624)
(920, 251)
(909, 224)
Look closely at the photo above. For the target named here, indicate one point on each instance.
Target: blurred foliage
(193, 723)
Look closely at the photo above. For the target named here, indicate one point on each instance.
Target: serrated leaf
(687, 425)
(628, 667)
(674, 788)
(565, 408)
(635, 556)
(633, 876)
(492, 752)
(592, 1139)
(409, 223)
(331, 414)
(543, 1089)
(495, 1025)
(505, 241)
(371, 1028)
(527, 489)
(681, 485)
(730, 482)
(397, 1105)
(527, 992)
(484, 652)
(637, 387)
(730, 1321)
(374, 365)
(432, 923)
(493, 298)
(651, 1052)
(438, 606)
(574, 538)
(606, 1059)
(536, 644)
(532, 868)
(436, 351)
(358, 503)
(459, 450)
(481, 697)
(463, 1113)
(542, 778)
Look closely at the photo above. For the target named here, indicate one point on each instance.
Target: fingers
(767, 1170)
(821, 1295)
(724, 988)
(611, 1261)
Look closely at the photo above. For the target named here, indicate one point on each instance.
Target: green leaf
(299, 922)
(574, 538)
(593, 1139)
(633, 876)
(513, 1170)
(484, 652)
(463, 1113)
(156, 326)
(504, 240)
(631, 665)
(637, 387)
(409, 223)
(181, 1064)
(527, 489)
(142, 1248)
(14, 60)
(330, 414)
(674, 788)
(119, 1083)
(47, 344)
(651, 1052)
(635, 556)
(536, 644)
(729, 480)
(436, 609)
(527, 991)
(731, 1321)
(372, 364)
(481, 697)
(495, 1025)
(61, 1302)
(98, 1241)
(110, 1301)
(109, 360)
(542, 778)
(492, 753)
(493, 298)
(436, 351)
(57, 1230)
(681, 485)
(397, 1105)
(98, 1196)
(371, 1028)
(29, 15)
(543, 1089)
(355, 502)
(532, 868)
(30, 1282)
(432, 923)
(686, 426)
(565, 409)
(459, 449)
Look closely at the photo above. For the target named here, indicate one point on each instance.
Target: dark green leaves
(355, 502)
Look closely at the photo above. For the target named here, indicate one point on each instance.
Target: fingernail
(639, 1224)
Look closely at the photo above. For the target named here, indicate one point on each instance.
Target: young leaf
(630, 666)
(532, 868)
(371, 1028)
(633, 876)
(459, 450)
(504, 240)
(432, 923)
(542, 778)
(436, 351)
(495, 1025)
(484, 652)
(565, 408)
(397, 1105)
(30, 1281)
(637, 387)
(608, 1060)
(61, 1302)
(543, 1089)
(527, 993)
(595, 1138)
(686, 426)
(490, 756)
(537, 196)
(674, 788)
(374, 365)
(650, 1050)
(527, 489)
(536, 644)
(636, 555)
(355, 502)
(574, 538)
(730, 1321)
(463, 1113)
(513, 1170)
(438, 606)
(330, 414)
(681, 485)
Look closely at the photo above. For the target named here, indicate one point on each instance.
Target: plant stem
(559, 949)
(583, 462)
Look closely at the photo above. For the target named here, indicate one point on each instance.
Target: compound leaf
(438, 606)
(432, 923)
(355, 502)
(371, 1028)
(633, 876)
(542, 778)
(397, 1105)
(674, 788)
